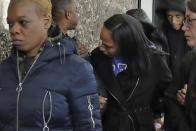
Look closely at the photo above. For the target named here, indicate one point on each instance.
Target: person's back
(65, 16)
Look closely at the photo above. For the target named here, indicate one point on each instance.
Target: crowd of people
(141, 78)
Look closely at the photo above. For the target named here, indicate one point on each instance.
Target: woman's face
(189, 28)
(108, 47)
(175, 18)
(28, 29)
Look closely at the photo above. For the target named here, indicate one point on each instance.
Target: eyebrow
(20, 17)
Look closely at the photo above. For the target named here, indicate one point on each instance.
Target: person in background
(64, 13)
(182, 95)
(151, 31)
(160, 42)
(132, 72)
(171, 14)
(44, 86)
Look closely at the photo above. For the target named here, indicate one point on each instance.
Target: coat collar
(103, 67)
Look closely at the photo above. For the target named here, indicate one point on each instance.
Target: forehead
(190, 13)
(25, 9)
(174, 12)
(105, 34)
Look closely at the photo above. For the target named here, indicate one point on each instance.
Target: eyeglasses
(188, 21)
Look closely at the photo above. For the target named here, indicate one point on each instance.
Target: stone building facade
(93, 13)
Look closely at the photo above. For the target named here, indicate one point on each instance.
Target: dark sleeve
(165, 78)
(193, 114)
(175, 118)
(84, 101)
(101, 87)
(93, 59)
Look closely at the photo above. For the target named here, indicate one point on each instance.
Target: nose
(102, 48)
(14, 29)
(184, 27)
(174, 20)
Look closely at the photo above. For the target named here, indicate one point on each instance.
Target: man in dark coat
(65, 17)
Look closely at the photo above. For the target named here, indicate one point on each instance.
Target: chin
(191, 43)
(177, 28)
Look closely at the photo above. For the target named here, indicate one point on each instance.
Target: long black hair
(128, 34)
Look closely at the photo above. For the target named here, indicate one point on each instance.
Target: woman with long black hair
(133, 72)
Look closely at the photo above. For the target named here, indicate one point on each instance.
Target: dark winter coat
(131, 98)
(59, 92)
(177, 46)
(183, 117)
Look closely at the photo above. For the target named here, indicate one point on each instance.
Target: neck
(64, 32)
(35, 50)
(63, 29)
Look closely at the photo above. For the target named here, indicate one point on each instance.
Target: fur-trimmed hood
(54, 33)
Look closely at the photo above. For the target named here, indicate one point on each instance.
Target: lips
(16, 42)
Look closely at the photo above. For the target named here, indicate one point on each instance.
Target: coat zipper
(46, 128)
(19, 88)
(136, 84)
(90, 107)
(129, 116)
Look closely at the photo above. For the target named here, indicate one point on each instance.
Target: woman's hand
(158, 124)
(82, 48)
(103, 101)
(181, 94)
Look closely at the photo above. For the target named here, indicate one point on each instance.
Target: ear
(47, 21)
(67, 15)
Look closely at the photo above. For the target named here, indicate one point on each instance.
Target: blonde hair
(44, 7)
